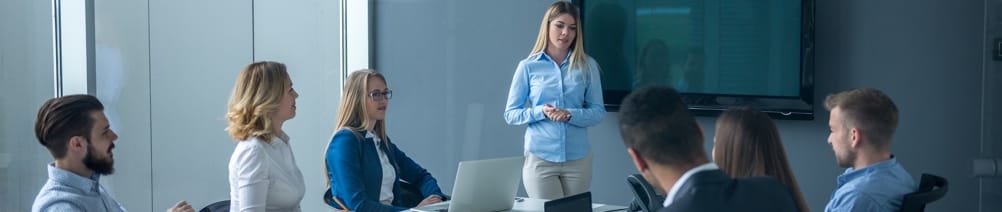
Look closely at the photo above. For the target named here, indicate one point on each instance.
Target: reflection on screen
(707, 47)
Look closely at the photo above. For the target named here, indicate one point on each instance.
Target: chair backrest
(410, 196)
(931, 188)
(221, 206)
(645, 198)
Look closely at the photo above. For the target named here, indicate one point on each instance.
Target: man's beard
(848, 160)
(102, 166)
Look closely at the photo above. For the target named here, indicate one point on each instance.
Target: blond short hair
(256, 96)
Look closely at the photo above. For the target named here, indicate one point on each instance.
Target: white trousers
(548, 180)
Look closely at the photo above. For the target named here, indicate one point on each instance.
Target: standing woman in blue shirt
(557, 92)
(364, 168)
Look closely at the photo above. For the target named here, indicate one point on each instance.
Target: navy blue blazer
(713, 190)
(356, 175)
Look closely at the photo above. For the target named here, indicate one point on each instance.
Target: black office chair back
(645, 198)
(931, 188)
(221, 206)
(410, 196)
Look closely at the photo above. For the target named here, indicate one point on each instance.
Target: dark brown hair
(868, 110)
(656, 124)
(59, 119)
(747, 144)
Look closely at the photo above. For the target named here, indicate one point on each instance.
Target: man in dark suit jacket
(666, 145)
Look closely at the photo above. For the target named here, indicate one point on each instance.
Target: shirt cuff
(537, 114)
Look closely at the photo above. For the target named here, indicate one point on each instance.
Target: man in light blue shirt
(76, 132)
(67, 191)
(862, 123)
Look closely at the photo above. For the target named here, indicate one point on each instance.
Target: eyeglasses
(377, 96)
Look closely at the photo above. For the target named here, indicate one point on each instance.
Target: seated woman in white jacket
(263, 172)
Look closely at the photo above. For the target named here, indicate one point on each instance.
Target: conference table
(525, 204)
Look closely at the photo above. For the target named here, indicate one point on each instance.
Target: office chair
(645, 198)
(410, 196)
(221, 206)
(931, 188)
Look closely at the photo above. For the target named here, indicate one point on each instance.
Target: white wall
(122, 59)
(165, 73)
(166, 70)
(304, 35)
(196, 50)
(26, 80)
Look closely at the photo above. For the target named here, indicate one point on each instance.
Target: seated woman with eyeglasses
(364, 169)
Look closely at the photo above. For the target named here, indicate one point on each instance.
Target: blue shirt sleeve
(345, 170)
(516, 112)
(594, 109)
(61, 206)
(410, 171)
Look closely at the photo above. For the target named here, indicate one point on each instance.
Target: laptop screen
(484, 185)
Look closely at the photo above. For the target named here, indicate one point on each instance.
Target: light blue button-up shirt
(539, 81)
(66, 191)
(878, 187)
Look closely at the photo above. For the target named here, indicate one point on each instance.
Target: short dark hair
(656, 124)
(59, 119)
(869, 110)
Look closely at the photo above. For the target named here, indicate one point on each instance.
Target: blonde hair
(578, 58)
(256, 96)
(352, 111)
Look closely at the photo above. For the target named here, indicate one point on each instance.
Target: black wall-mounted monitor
(716, 53)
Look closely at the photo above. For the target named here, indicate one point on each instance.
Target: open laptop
(483, 185)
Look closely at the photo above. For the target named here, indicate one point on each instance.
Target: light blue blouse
(539, 81)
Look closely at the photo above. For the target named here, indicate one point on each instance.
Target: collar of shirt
(681, 180)
(282, 136)
(369, 134)
(851, 174)
(73, 180)
(375, 139)
(543, 56)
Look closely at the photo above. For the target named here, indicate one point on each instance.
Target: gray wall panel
(303, 34)
(26, 81)
(926, 55)
(123, 85)
(450, 64)
(991, 131)
(197, 48)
